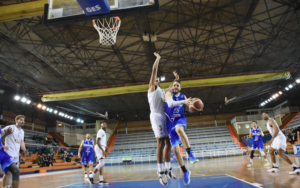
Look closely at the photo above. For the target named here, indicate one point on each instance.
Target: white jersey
(13, 140)
(156, 100)
(271, 129)
(101, 134)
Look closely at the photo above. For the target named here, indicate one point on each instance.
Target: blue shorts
(5, 160)
(174, 137)
(87, 158)
(258, 144)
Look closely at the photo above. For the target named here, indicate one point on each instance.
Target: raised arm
(154, 73)
(176, 78)
(80, 148)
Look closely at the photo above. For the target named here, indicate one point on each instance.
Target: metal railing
(246, 118)
(199, 154)
(73, 130)
(287, 110)
(190, 125)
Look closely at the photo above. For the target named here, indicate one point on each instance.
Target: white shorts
(99, 153)
(279, 143)
(159, 125)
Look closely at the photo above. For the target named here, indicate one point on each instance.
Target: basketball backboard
(69, 11)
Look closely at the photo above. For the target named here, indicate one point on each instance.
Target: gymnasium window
(247, 126)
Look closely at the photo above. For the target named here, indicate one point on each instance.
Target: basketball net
(108, 29)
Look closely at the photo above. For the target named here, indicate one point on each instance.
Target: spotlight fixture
(47, 109)
(44, 107)
(62, 114)
(17, 97)
(28, 101)
(82, 121)
(280, 93)
(287, 88)
(50, 110)
(71, 118)
(55, 112)
(298, 81)
(39, 106)
(78, 120)
(290, 86)
(23, 99)
(162, 78)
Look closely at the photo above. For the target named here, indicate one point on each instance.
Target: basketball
(196, 105)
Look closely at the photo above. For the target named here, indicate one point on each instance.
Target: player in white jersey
(156, 97)
(14, 142)
(100, 150)
(278, 142)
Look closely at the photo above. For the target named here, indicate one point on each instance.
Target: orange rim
(116, 17)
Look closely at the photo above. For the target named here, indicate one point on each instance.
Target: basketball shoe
(296, 171)
(192, 158)
(162, 178)
(187, 177)
(274, 169)
(170, 174)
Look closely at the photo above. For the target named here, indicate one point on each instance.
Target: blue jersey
(5, 159)
(177, 111)
(88, 146)
(256, 137)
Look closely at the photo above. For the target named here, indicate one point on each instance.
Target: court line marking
(222, 175)
(253, 184)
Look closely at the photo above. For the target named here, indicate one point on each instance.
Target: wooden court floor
(232, 166)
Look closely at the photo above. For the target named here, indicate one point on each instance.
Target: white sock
(92, 175)
(293, 165)
(251, 161)
(266, 160)
(274, 164)
(168, 165)
(101, 178)
(91, 172)
(160, 167)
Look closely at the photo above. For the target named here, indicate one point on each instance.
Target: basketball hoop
(107, 29)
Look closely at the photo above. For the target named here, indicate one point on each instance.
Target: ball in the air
(196, 105)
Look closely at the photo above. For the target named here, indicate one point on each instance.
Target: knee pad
(101, 164)
(252, 154)
(15, 172)
(262, 153)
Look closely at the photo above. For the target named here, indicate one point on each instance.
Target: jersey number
(160, 127)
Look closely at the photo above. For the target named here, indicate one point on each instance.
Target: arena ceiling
(199, 38)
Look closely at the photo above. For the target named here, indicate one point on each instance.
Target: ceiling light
(162, 78)
(280, 93)
(78, 120)
(290, 86)
(23, 99)
(82, 121)
(50, 110)
(47, 109)
(28, 101)
(17, 97)
(287, 88)
(39, 106)
(55, 112)
(71, 118)
(66, 115)
(298, 81)
(44, 107)
(62, 114)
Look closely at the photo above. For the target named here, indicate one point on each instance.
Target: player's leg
(251, 155)
(274, 165)
(186, 172)
(91, 162)
(15, 172)
(5, 179)
(102, 182)
(159, 155)
(185, 141)
(288, 160)
(167, 157)
(262, 153)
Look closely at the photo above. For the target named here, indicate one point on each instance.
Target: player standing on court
(257, 142)
(156, 97)
(6, 162)
(100, 150)
(87, 154)
(14, 142)
(278, 142)
(176, 123)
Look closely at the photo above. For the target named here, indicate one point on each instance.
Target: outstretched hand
(176, 75)
(157, 55)
(188, 101)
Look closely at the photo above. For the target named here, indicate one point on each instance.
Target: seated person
(45, 160)
(52, 158)
(36, 151)
(39, 160)
(67, 157)
(49, 160)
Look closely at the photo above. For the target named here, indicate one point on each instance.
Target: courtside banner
(92, 7)
(297, 149)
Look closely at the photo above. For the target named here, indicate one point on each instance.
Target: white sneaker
(170, 174)
(296, 171)
(162, 178)
(274, 169)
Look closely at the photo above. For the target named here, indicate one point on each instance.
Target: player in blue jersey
(256, 133)
(87, 154)
(7, 163)
(176, 123)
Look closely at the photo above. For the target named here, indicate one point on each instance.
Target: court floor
(218, 172)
